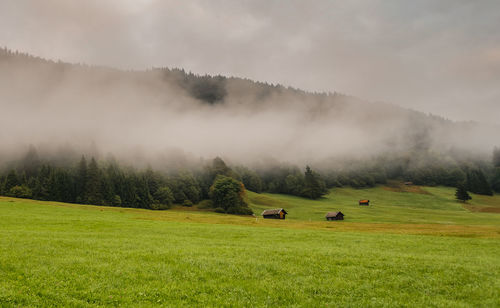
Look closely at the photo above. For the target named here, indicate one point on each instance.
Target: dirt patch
(482, 209)
(400, 187)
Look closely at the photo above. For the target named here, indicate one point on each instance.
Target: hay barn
(334, 216)
(274, 214)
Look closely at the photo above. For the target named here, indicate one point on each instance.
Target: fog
(441, 57)
(148, 117)
(390, 58)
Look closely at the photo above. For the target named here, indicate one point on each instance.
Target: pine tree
(11, 181)
(31, 162)
(496, 157)
(476, 182)
(81, 181)
(314, 187)
(461, 193)
(495, 181)
(93, 186)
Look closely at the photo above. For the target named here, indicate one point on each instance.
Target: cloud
(434, 56)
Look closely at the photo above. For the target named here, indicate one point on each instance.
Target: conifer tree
(314, 187)
(12, 180)
(31, 162)
(93, 184)
(496, 157)
(81, 181)
(461, 193)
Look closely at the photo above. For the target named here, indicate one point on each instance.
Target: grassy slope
(74, 255)
(388, 205)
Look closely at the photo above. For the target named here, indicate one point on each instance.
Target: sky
(441, 57)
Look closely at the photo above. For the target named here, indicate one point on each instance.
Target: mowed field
(414, 246)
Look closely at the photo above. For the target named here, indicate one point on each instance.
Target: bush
(219, 210)
(159, 206)
(164, 196)
(206, 204)
(117, 201)
(229, 194)
(187, 203)
(20, 192)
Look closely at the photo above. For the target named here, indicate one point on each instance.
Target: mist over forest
(147, 115)
(171, 124)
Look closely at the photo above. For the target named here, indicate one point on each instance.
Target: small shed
(334, 216)
(364, 202)
(274, 214)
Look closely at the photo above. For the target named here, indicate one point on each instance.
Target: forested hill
(152, 135)
(213, 115)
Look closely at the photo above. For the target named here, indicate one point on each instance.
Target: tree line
(222, 187)
(109, 183)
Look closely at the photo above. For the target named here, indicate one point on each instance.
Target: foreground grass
(54, 254)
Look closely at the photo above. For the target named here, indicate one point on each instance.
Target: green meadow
(413, 247)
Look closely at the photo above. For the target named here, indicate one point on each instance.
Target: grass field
(410, 248)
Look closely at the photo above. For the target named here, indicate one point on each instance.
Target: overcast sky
(436, 56)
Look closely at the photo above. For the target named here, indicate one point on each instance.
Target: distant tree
(143, 196)
(20, 192)
(31, 162)
(250, 179)
(496, 157)
(93, 185)
(476, 182)
(219, 167)
(81, 181)
(164, 195)
(314, 186)
(294, 184)
(117, 201)
(229, 194)
(153, 180)
(495, 181)
(461, 193)
(11, 180)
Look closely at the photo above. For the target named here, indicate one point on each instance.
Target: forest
(264, 137)
(215, 185)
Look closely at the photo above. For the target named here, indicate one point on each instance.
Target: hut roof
(333, 214)
(364, 201)
(273, 212)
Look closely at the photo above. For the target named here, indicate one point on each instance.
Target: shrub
(164, 196)
(187, 203)
(159, 206)
(206, 204)
(117, 201)
(219, 210)
(229, 194)
(20, 192)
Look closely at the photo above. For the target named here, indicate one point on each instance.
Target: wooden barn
(334, 216)
(274, 214)
(364, 202)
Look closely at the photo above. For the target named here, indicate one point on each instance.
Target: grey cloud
(436, 56)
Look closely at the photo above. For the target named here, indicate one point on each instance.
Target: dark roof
(333, 214)
(273, 212)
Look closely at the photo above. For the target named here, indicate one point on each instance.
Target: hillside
(434, 253)
(400, 204)
(125, 112)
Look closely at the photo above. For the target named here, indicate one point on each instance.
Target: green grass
(429, 205)
(55, 254)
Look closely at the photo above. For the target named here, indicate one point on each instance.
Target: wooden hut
(274, 214)
(364, 202)
(334, 216)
